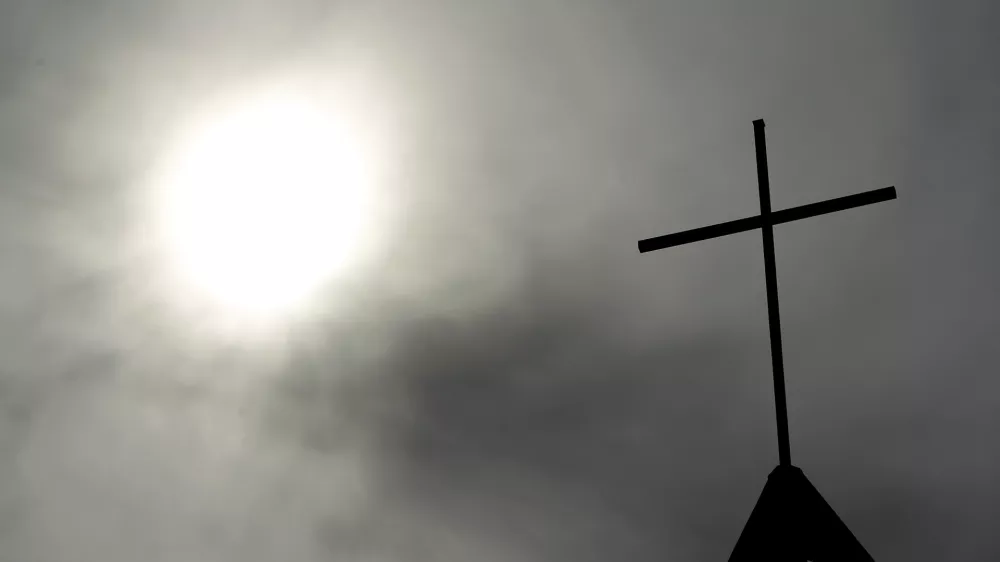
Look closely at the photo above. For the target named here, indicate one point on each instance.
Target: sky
(505, 377)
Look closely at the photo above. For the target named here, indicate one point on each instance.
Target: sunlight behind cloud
(262, 202)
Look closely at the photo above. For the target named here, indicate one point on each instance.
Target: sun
(262, 203)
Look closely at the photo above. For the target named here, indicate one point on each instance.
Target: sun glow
(262, 203)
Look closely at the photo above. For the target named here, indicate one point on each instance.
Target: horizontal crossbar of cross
(777, 217)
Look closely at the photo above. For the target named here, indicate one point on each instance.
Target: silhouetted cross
(764, 221)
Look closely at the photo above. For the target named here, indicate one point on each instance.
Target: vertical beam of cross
(771, 280)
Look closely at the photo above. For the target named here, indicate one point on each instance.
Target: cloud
(507, 378)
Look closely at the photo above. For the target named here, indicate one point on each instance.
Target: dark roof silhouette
(792, 522)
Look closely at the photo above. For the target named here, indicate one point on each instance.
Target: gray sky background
(507, 378)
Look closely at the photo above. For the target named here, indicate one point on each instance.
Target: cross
(764, 221)
(789, 486)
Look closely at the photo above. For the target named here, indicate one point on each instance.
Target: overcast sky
(506, 378)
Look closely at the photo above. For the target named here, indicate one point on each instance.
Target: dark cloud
(508, 379)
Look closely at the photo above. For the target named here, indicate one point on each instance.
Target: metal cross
(764, 221)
